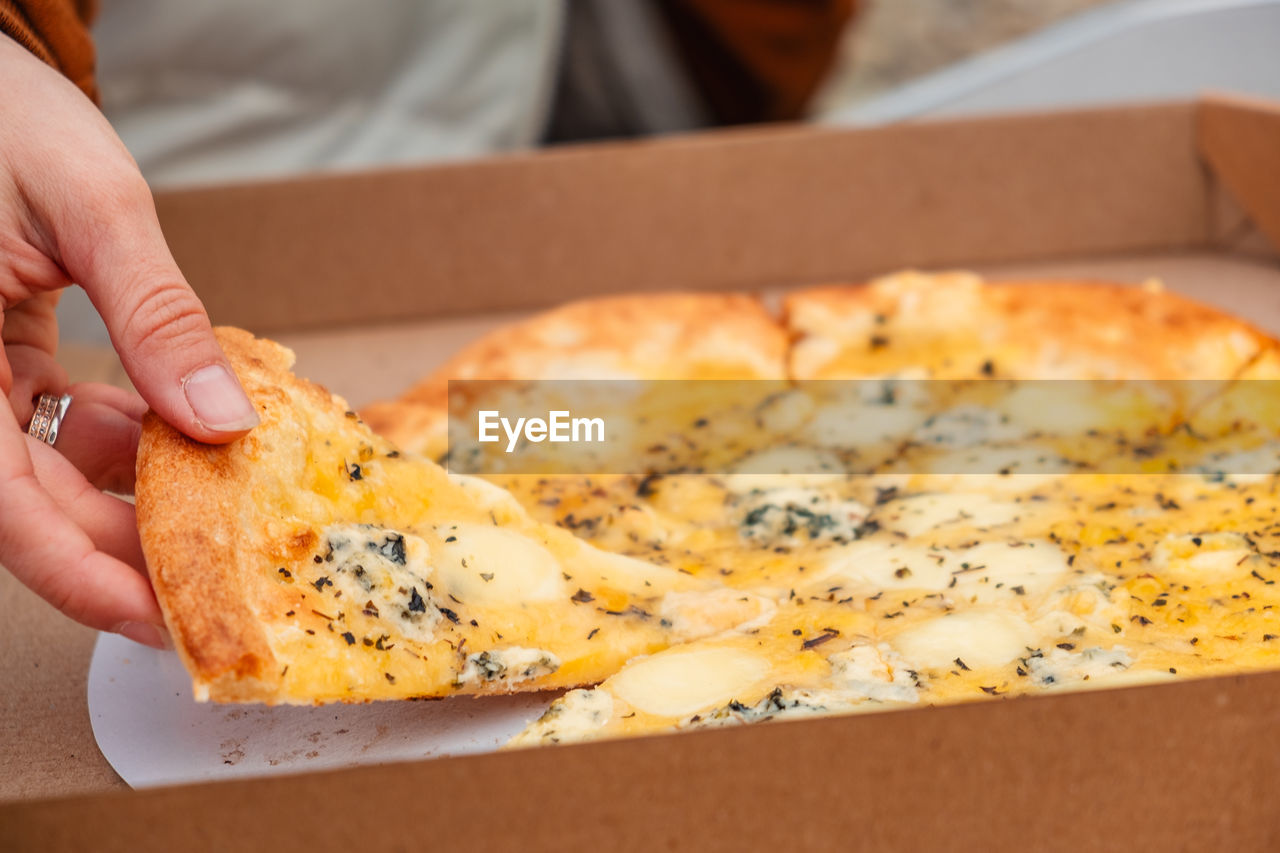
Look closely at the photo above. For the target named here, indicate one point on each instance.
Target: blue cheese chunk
(786, 516)
(1060, 668)
(381, 572)
(877, 673)
(511, 665)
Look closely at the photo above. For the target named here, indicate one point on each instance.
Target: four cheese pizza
(948, 521)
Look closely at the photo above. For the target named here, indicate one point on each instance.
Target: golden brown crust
(956, 325)
(649, 336)
(194, 566)
(947, 324)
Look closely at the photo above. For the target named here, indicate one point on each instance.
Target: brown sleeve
(57, 31)
(757, 60)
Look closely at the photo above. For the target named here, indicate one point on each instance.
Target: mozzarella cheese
(486, 565)
(680, 681)
(969, 638)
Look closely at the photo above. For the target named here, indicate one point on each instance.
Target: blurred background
(218, 91)
(896, 41)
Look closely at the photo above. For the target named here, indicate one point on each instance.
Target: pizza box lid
(1192, 188)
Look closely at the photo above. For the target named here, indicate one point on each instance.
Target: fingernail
(145, 633)
(218, 400)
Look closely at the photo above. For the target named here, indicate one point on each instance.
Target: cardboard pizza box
(374, 278)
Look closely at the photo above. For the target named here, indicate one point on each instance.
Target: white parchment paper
(153, 733)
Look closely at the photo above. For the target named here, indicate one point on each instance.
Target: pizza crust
(194, 566)
(640, 336)
(643, 336)
(940, 325)
(955, 325)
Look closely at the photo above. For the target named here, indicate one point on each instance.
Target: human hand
(75, 209)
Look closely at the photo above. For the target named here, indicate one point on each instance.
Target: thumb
(157, 323)
(90, 210)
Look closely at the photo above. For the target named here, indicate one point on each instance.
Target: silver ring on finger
(45, 423)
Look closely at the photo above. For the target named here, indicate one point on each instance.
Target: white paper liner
(153, 733)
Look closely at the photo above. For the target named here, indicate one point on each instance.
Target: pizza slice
(311, 561)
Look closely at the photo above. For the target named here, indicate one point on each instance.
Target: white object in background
(153, 733)
(208, 91)
(1145, 50)
(228, 90)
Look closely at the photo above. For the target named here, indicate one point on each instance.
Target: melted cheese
(698, 613)
(968, 426)
(857, 423)
(1203, 557)
(924, 513)
(681, 682)
(486, 565)
(983, 573)
(785, 467)
(980, 638)
(576, 716)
